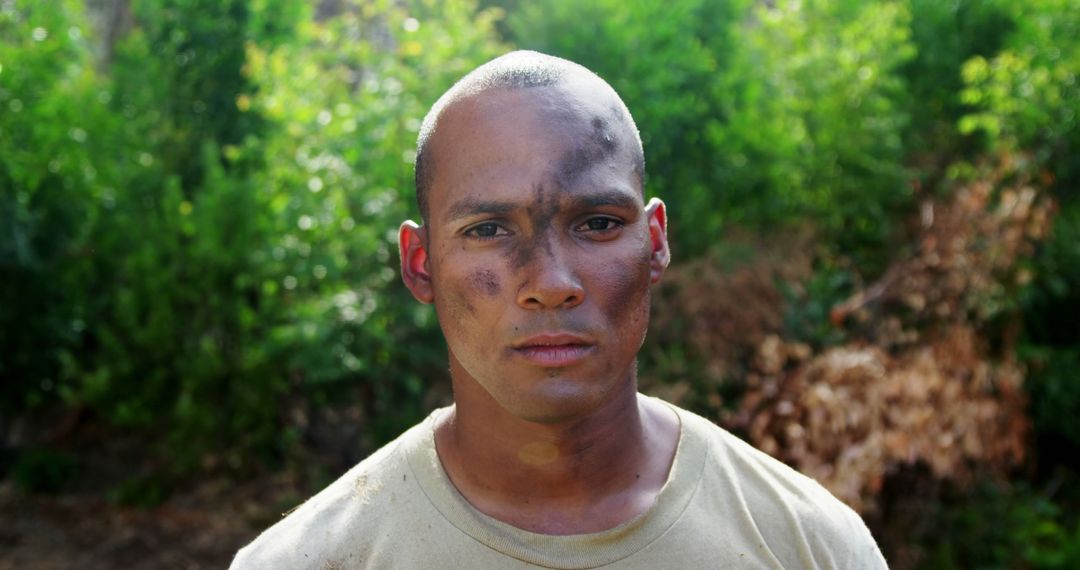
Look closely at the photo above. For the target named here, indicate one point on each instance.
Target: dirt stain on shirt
(364, 490)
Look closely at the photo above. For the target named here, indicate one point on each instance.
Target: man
(538, 251)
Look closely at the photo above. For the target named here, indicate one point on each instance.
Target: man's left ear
(661, 254)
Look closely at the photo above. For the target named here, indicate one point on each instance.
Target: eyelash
(613, 224)
(472, 232)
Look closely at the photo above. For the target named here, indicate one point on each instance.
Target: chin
(557, 400)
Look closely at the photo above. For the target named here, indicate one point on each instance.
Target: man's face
(539, 247)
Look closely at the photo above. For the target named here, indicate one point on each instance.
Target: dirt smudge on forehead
(600, 144)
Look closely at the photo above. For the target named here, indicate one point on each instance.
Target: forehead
(571, 137)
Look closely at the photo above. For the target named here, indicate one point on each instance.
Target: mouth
(554, 350)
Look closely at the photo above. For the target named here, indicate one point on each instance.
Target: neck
(581, 474)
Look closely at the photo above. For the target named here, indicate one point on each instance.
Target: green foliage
(51, 116)
(819, 108)
(197, 234)
(196, 51)
(807, 318)
(1054, 391)
(946, 35)
(338, 181)
(1027, 96)
(140, 492)
(1013, 527)
(1052, 349)
(44, 470)
(168, 287)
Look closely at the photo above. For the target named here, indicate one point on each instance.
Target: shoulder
(796, 518)
(345, 519)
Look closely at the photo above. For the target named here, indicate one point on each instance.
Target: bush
(339, 180)
(946, 35)
(52, 165)
(1028, 96)
(43, 470)
(174, 322)
(200, 240)
(1005, 527)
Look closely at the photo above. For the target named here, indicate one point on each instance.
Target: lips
(554, 350)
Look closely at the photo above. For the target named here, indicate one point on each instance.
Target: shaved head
(524, 70)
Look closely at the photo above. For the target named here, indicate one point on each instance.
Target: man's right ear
(415, 269)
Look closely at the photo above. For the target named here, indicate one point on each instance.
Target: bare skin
(538, 255)
(574, 477)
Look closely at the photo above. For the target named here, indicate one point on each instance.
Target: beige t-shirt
(725, 505)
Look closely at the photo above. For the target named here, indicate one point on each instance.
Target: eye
(600, 224)
(486, 230)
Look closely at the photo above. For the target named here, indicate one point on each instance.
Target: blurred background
(874, 213)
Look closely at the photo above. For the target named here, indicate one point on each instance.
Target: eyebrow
(472, 207)
(605, 198)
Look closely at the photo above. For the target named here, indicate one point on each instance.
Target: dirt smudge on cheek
(485, 282)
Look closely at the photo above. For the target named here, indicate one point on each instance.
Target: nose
(550, 283)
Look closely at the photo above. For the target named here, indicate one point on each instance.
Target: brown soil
(200, 529)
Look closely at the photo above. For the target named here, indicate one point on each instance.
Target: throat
(580, 477)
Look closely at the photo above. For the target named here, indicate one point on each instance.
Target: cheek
(484, 283)
(466, 291)
(463, 298)
(451, 303)
(624, 289)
